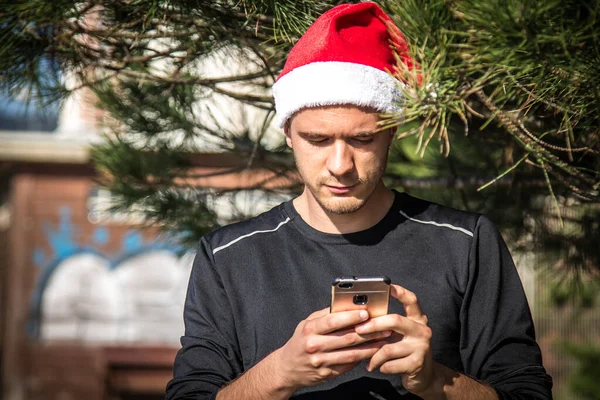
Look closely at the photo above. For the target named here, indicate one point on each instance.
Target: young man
(257, 318)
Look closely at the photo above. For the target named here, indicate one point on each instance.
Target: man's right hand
(323, 346)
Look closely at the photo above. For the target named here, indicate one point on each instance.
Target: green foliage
(143, 179)
(525, 72)
(585, 381)
(571, 252)
(290, 19)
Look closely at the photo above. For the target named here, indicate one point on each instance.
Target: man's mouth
(338, 189)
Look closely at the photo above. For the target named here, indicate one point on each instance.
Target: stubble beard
(339, 206)
(343, 205)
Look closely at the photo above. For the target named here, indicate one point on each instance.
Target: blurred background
(130, 129)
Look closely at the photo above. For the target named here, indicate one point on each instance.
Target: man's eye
(363, 140)
(317, 140)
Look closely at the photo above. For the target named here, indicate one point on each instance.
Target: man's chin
(342, 206)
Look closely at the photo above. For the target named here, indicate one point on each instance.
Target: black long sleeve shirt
(254, 281)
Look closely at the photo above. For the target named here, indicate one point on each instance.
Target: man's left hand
(409, 349)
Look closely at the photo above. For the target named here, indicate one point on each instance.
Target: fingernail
(387, 333)
(364, 315)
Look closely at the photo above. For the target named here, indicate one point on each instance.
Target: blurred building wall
(4, 261)
(77, 289)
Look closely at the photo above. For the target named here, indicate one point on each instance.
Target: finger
(335, 321)
(318, 314)
(346, 356)
(327, 373)
(407, 365)
(391, 322)
(409, 301)
(389, 352)
(341, 339)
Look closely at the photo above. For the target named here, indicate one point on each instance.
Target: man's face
(340, 154)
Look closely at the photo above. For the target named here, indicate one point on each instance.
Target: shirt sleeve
(209, 357)
(497, 342)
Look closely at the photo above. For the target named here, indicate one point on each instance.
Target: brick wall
(3, 282)
(49, 222)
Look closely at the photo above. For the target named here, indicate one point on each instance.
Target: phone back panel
(371, 294)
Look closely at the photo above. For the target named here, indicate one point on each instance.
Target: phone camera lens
(361, 299)
(346, 285)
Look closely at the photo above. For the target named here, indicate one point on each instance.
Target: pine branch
(192, 80)
(511, 126)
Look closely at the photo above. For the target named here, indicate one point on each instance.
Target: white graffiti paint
(139, 300)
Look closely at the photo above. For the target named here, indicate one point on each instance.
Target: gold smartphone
(371, 293)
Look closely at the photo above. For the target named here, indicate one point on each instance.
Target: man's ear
(288, 133)
(392, 133)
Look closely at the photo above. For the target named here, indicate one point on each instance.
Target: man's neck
(365, 217)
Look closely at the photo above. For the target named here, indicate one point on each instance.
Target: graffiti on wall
(134, 294)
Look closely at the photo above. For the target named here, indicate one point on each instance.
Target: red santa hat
(345, 57)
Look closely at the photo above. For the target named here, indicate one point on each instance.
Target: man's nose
(341, 159)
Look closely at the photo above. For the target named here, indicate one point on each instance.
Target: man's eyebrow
(365, 134)
(311, 134)
(358, 134)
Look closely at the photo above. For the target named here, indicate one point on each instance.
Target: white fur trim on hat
(332, 82)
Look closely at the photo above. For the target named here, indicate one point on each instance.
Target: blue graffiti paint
(62, 241)
(101, 235)
(38, 257)
(132, 241)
